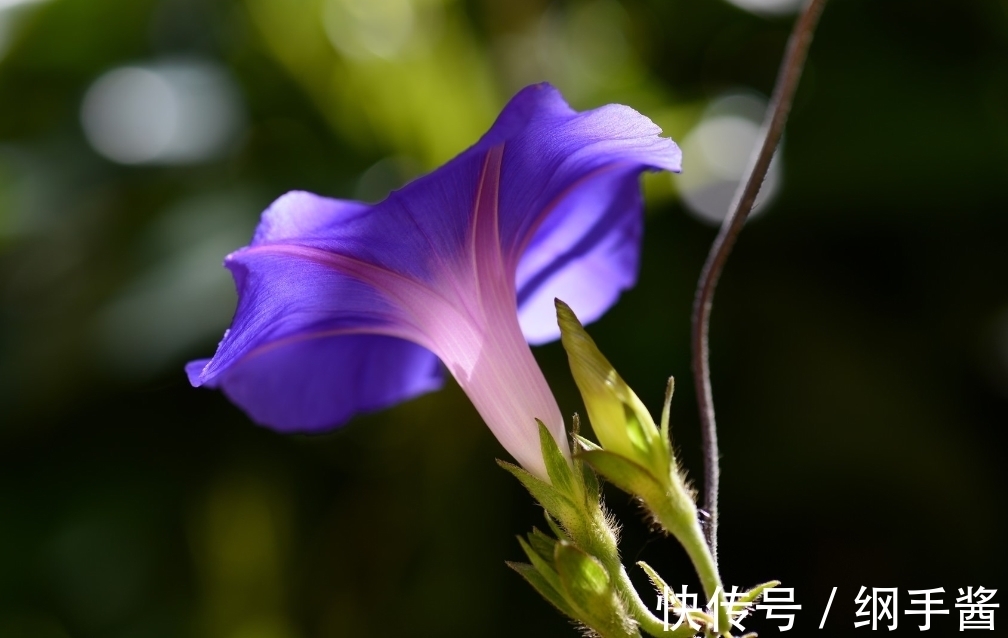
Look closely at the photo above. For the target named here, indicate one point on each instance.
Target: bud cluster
(578, 569)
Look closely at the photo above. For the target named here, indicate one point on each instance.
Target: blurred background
(859, 337)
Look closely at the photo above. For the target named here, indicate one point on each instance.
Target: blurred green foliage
(859, 343)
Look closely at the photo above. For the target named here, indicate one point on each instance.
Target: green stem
(639, 610)
(601, 542)
(683, 524)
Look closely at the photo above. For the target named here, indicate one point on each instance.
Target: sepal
(576, 583)
(589, 589)
(583, 474)
(555, 527)
(560, 472)
(541, 585)
(656, 580)
(542, 544)
(753, 594)
(556, 503)
(586, 444)
(542, 564)
(665, 428)
(705, 620)
(622, 472)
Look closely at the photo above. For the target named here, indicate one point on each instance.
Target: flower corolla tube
(346, 307)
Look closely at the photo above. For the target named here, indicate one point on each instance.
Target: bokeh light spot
(368, 28)
(178, 112)
(768, 7)
(716, 154)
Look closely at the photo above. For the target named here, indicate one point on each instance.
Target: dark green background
(859, 338)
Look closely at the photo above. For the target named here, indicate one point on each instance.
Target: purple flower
(345, 307)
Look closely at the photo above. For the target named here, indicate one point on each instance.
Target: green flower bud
(619, 419)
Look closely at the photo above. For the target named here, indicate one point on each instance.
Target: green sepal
(588, 588)
(541, 585)
(542, 565)
(586, 443)
(657, 581)
(555, 528)
(542, 544)
(757, 591)
(582, 575)
(698, 615)
(557, 466)
(592, 489)
(623, 473)
(583, 474)
(555, 503)
(665, 429)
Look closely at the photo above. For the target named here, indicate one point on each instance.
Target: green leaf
(541, 585)
(557, 466)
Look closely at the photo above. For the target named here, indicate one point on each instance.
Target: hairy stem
(639, 611)
(684, 526)
(745, 197)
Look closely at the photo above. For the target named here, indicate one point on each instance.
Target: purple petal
(297, 304)
(300, 216)
(333, 294)
(421, 230)
(316, 384)
(585, 253)
(292, 293)
(194, 370)
(551, 149)
(570, 209)
(418, 231)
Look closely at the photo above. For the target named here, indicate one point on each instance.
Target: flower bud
(619, 419)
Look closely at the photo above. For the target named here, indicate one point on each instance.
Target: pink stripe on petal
(501, 377)
(470, 321)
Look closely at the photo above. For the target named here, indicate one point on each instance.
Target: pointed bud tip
(565, 316)
(587, 363)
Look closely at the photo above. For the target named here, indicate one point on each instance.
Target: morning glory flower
(346, 307)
